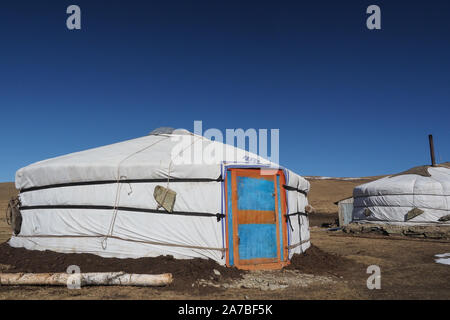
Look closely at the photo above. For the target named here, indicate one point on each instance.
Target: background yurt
(414, 200)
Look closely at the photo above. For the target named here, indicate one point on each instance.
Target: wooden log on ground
(86, 279)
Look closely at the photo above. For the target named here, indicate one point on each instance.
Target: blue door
(254, 214)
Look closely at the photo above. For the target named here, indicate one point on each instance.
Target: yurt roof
(158, 155)
(422, 180)
(422, 170)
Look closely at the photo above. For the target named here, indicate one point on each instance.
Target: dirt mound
(316, 261)
(185, 272)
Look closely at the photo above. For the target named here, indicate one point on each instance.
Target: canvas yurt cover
(420, 195)
(104, 201)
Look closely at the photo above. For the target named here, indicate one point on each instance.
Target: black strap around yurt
(219, 216)
(288, 188)
(100, 182)
(297, 213)
(289, 215)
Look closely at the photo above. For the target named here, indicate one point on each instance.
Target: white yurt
(420, 195)
(168, 193)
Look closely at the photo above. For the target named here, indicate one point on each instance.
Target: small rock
(216, 272)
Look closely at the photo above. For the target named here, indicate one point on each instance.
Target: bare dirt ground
(334, 268)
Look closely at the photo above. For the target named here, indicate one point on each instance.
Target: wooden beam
(86, 279)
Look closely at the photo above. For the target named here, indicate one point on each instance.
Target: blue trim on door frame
(222, 197)
(230, 219)
(280, 220)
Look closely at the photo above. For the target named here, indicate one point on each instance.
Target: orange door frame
(260, 263)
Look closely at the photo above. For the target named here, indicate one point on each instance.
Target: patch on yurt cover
(413, 213)
(165, 198)
(367, 212)
(444, 218)
(13, 215)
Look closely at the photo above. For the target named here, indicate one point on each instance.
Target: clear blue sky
(348, 101)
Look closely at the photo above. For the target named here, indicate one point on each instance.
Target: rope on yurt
(117, 198)
(113, 220)
(292, 246)
(170, 166)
